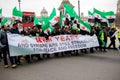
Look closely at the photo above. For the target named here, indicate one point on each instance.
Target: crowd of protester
(100, 32)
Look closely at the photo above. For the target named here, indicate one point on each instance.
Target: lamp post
(79, 8)
(19, 4)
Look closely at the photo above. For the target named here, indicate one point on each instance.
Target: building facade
(44, 12)
(61, 7)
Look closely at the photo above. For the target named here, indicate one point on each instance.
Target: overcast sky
(37, 5)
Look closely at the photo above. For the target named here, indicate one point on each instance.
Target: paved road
(92, 66)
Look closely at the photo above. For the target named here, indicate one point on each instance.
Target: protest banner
(25, 45)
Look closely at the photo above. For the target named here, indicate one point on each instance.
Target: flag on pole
(17, 15)
(49, 22)
(6, 22)
(97, 14)
(109, 15)
(101, 16)
(85, 26)
(70, 11)
(53, 19)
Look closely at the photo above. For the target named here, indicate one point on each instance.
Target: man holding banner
(5, 48)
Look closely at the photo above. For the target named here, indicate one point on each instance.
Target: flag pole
(79, 8)
(19, 4)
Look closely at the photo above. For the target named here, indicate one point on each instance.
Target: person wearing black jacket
(112, 38)
(91, 34)
(35, 32)
(5, 48)
(14, 30)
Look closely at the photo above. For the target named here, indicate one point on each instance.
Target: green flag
(17, 15)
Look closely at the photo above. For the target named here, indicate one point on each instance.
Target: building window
(27, 18)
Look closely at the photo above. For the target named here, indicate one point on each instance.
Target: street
(90, 66)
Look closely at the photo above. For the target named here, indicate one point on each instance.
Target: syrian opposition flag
(109, 15)
(101, 16)
(49, 22)
(53, 19)
(85, 26)
(46, 20)
(17, 15)
(70, 13)
(97, 14)
(6, 22)
(0, 13)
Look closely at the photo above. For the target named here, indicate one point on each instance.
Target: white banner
(25, 45)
